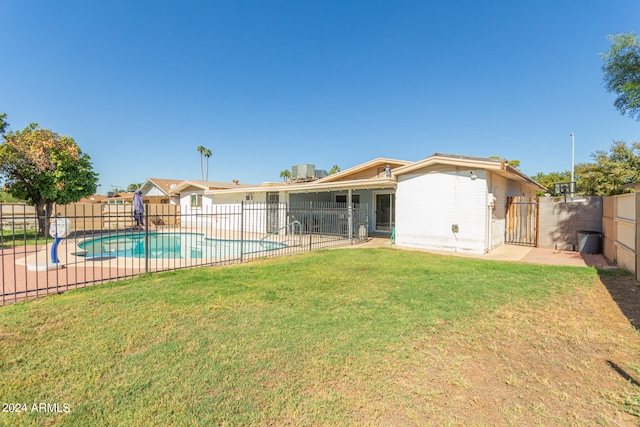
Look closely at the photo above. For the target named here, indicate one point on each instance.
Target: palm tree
(207, 153)
(201, 151)
(334, 169)
(285, 174)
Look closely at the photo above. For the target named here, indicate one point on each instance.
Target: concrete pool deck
(525, 254)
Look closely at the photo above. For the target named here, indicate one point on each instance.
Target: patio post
(310, 226)
(350, 216)
(242, 229)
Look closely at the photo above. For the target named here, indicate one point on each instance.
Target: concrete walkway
(514, 253)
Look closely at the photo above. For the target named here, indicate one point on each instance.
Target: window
(196, 200)
(342, 198)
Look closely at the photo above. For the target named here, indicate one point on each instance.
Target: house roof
(164, 185)
(208, 185)
(371, 175)
(124, 197)
(500, 166)
(367, 169)
(365, 175)
(96, 198)
(312, 187)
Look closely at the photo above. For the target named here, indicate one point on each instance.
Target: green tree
(548, 179)
(611, 170)
(8, 198)
(207, 153)
(334, 169)
(514, 163)
(200, 150)
(204, 152)
(622, 72)
(3, 123)
(134, 186)
(285, 174)
(44, 168)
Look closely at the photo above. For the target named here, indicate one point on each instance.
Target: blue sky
(270, 84)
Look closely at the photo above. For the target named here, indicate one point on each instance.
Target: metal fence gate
(522, 221)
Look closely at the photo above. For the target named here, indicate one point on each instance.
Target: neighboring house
(444, 202)
(119, 198)
(96, 198)
(158, 190)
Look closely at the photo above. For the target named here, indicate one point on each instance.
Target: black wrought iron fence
(86, 244)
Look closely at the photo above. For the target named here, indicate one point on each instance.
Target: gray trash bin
(589, 242)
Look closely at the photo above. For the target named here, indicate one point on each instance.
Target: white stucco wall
(499, 187)
(225, 211)
(430, 202)
(189, 216)
(233, 198)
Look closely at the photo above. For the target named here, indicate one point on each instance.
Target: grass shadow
(624, 374)
(625, 291)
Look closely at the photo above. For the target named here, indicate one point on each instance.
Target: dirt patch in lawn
(575, 361)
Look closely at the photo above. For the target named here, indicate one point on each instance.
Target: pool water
(173, 245)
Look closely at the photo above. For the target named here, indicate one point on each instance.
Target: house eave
(498, 166)
(314, 187)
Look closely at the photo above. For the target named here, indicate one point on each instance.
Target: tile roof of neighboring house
(96, 198)
(121, 197)
(165, 185)
(209, 185)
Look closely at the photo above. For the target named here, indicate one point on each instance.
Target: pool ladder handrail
(277, 232)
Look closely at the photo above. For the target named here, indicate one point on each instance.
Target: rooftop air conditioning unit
(303, 171)
(321, 173)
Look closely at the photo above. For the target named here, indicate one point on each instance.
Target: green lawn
(22, 237)
(271, 342)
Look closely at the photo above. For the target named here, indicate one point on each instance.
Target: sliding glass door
(385, 213)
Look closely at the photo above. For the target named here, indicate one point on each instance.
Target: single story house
(158, 190)
(444, 202)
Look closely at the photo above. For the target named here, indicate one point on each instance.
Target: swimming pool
(173, 245)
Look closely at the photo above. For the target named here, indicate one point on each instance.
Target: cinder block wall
(559, 221)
